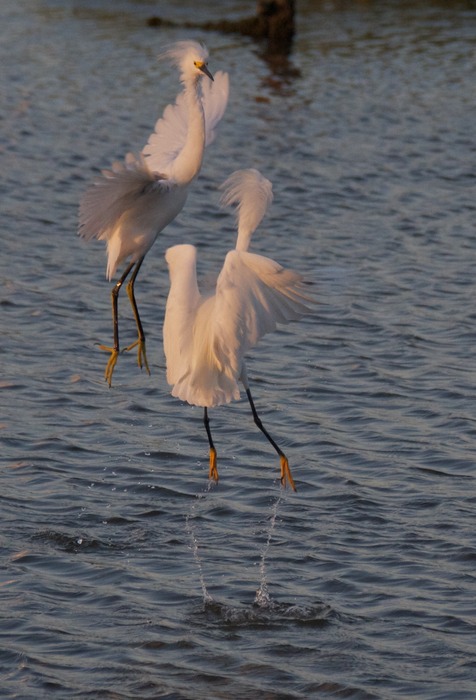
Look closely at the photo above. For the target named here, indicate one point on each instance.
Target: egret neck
(187, 164)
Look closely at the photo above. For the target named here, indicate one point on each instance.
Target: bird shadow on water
(263, 611)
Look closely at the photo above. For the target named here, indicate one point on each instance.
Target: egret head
(190, 57)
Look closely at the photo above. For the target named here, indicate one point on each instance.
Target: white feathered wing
(253, 294)
(170, 132)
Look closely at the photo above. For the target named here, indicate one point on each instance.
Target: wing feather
(182, 303)
(214, 101)
(121, 189)
(206, 338)
(168, 137)
(253, 295)
(170, 131)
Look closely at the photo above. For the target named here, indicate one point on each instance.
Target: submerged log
(273, 22)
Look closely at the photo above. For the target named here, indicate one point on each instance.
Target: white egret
(131, 203)
(207, 336)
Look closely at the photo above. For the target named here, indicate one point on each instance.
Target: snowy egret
(131, 203)
(207, 336)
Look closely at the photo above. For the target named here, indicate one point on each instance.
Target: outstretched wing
(169, 136)
(118, 190)
(253, 295)
(182, 303)
(127, 207)
(170, 132)
(193, 370)
(214, 101)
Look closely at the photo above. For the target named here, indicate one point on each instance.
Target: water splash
(262, 599)
(190, 526)
(316, 614)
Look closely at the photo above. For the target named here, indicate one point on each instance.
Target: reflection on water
(123, 575)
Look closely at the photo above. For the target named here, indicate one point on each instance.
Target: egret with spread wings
(206, 337)
(133, 201)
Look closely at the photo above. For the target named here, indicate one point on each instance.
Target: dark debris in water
(74, 543)
(66, 542)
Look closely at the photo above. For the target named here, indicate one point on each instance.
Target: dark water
(123, 574)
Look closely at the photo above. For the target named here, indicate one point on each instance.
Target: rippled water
(124, 574)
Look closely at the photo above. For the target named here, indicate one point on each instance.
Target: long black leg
(213, 472)
(115, 325)
(140, 342)
(115, 294)
(132, 299)
(285, 470)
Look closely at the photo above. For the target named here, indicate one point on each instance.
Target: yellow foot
(141, 354)
(111, 362)
(213, 472)
(286, 473)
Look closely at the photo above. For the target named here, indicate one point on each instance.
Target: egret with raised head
(206, 336)
(130, 204)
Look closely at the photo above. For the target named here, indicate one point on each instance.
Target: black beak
(205, 70)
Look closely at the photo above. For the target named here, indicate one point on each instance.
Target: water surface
(124, 574)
